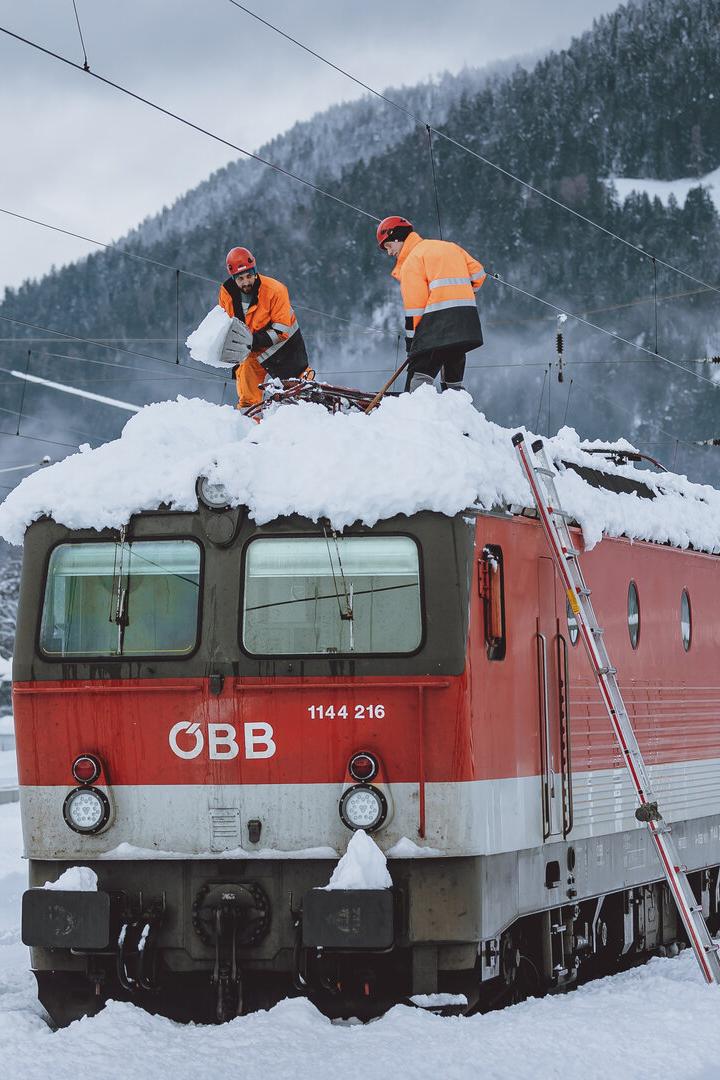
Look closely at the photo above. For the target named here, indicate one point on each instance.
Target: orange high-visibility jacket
(438, 281)
(278, 348)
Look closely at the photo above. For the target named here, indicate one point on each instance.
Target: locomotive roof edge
(307, 524)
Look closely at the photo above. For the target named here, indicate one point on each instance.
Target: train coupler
(228, 916)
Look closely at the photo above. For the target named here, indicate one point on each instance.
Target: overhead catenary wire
(323, 372)
(706, 286)
(22, 395)
(594, 326)
(100, 344)
(178, 270)
(650, 423)
(315, 187)
(434, 180)
(86, 65)
(103, 244)
(39, 438)
(467, 149)
(44, 420)
(361, 327)
(73, 446)
(491, 276)
(188, 123)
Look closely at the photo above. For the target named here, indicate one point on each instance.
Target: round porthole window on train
(633, 615)
(573, 628)
(685, 620)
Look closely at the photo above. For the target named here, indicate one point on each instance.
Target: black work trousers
(449, 360)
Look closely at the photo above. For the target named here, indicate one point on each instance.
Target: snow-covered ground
(663, 189)
(659, 1022)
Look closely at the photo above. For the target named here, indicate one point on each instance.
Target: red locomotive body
(225, 784)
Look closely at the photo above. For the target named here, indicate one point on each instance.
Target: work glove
(238, 343)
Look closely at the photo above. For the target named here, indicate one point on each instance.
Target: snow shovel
(381, 393)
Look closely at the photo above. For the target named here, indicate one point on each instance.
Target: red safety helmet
(386, 229)
(239, 260)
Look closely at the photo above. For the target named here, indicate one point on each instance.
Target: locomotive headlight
(86, 810)
(211, 493)
(363, 807)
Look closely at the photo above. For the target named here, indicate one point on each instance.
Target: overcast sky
(82, 156)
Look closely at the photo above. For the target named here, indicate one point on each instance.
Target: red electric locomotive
(206, 709)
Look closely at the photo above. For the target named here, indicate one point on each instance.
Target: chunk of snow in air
(363, 866)
(206, 342)
(421, 451)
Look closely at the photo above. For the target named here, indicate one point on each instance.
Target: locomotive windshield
(137, 599)
(331, 594)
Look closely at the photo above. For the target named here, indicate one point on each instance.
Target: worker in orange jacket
(264, 337)
(438, 281)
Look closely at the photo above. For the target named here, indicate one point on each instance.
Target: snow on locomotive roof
(421, 451)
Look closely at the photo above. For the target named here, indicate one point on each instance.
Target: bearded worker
(264, 337)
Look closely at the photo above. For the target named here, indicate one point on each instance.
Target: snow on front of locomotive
(206, 710)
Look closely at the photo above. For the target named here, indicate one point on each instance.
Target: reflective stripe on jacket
(277, 342)
(438, 281)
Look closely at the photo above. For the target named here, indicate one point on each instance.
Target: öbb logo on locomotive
(222, 741)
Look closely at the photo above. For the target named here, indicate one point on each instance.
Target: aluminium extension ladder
(555, 523)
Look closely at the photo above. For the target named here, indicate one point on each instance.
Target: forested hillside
(635, 96)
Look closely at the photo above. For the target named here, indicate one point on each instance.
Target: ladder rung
(561, 514)
(570, 553)
(597, 630)
(609, 670)
(582, 590)
(544, 472)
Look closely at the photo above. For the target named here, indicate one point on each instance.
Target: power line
(480, 157)
(601, 329)
(73, 446)
(176, 269)
(86, 66)
(37, 438)
(43, 420)
(521, 366)
(103, 244)
(188, 123)
(305, 307)
(493, 277)
(651, 424)
(681, 295)
(99, 344)
(358, 209)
